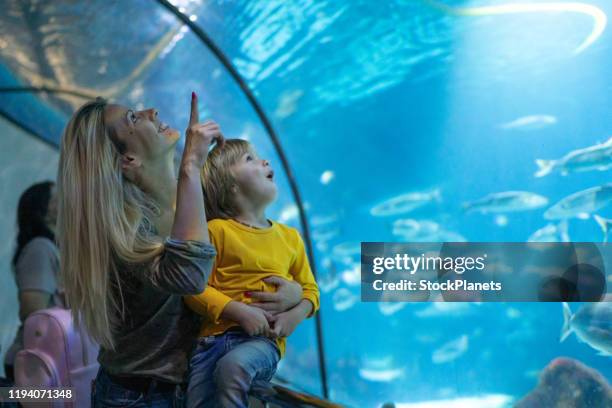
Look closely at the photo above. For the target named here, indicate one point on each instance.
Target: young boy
(239, 343)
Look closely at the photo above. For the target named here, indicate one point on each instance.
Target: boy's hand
(254, 321)
(285, 323)
(287, 295)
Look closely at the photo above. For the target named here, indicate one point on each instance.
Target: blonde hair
(217, 179)
(103, 222)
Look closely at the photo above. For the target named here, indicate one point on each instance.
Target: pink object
(56, 354)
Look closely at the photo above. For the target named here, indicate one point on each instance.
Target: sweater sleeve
(183, 267)
(211, 302)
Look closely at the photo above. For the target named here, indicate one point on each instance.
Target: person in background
(241, 342)
(36, 259)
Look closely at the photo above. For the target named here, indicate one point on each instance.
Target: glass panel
(454, 100)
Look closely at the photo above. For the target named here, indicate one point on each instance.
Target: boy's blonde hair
(217, 178)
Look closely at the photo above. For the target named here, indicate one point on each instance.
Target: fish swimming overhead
(451, 350)
(343, 299)
(581, 204)
(507, 201)
(605, 224)
(405, 203)
(551, 233)
(410, 228)
(597, 157)
(592, 324)
(531, 122)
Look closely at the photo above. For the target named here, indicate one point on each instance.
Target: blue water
(372, 100)
(397, 97)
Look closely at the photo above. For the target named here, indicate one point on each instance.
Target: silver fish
(343, 299)
(592, 324)
(551, 233)
(604, 224)
(507, 201)
(447, 236)
(451, 350)
(581, 204)
(409, 228)
(424, 231)
(405, 203)
(531, 122)
(597, 157)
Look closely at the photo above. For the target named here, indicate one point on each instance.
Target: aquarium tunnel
(396, 121)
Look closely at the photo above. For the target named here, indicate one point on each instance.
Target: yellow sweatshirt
(245, 257)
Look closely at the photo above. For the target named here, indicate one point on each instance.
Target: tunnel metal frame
(26, 129)
(35, 89)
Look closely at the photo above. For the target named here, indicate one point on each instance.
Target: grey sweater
(158, 332)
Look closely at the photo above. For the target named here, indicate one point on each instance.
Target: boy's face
(254, 179)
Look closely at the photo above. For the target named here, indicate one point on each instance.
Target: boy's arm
(303, 275)
(209, 303)
(216, 305)
(286, 322)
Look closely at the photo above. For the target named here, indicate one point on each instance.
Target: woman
(118, 197)
(36, 259)
(123, 281)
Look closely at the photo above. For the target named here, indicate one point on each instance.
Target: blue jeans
(105, 393)
(223, 367)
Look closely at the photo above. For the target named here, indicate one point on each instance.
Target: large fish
(581, 204)
(450, 351)
(507, 201)
(380, 370)
(605, 224)
(551, 233)
(424, 231)
(531, 122)
(597, 157)
(410, 228)
(343, 299)
(405, 203)
(592, 324)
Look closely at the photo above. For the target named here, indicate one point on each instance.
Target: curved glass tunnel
(371, 102)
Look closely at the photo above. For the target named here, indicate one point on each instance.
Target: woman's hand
(199, 136)
(287, 295)
(189, 217)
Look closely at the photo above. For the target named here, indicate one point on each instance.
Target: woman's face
(141, 133)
